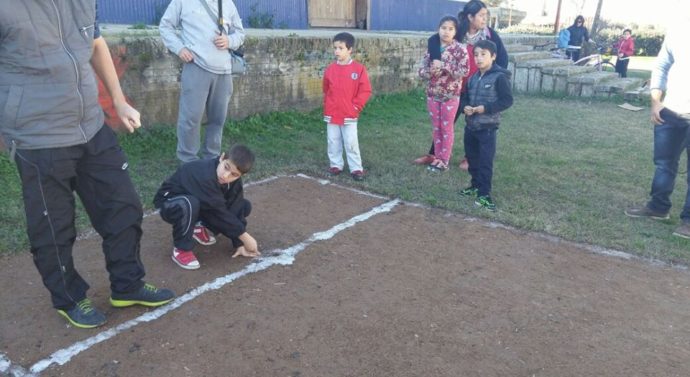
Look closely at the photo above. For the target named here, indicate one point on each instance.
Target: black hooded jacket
(200, 180)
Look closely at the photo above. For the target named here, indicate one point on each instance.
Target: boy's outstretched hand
(243, 252)
(250, 248)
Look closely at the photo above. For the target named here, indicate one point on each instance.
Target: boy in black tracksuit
(208, 191)
(488, 93)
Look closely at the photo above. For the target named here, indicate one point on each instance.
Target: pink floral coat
(445, 83)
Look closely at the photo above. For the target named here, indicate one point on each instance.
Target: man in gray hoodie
(53, 124)
(671, 118)
(206, 81)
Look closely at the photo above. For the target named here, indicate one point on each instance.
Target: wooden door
(332, 13)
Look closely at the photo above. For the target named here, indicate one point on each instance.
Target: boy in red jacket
(346, 89)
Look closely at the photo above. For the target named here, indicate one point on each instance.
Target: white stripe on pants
(339, 136)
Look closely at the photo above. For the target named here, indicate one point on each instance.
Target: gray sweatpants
(201, 90)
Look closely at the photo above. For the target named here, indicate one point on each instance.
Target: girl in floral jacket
(443, 90)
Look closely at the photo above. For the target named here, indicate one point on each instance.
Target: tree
(494, 3)
(597, 20)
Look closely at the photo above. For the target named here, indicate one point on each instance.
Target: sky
(626, 11)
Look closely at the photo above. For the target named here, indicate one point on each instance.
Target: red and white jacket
(346, 90)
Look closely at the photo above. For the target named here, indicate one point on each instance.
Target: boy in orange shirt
(346, 89)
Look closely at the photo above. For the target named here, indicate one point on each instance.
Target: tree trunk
(597, 20)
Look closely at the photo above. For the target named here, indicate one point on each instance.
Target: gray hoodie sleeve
(235, 28)
(169, 24)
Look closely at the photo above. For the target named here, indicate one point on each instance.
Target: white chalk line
(6, 367)
(276, 257)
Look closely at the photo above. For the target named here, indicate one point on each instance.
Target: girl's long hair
(470, 9)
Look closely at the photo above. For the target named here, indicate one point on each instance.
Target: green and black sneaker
(486, 202)
(147, 295)
(83, 315)
(470, 192)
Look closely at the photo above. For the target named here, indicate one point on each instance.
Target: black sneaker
(147, 295)
(358, 175)
(469, 192)
(83, 315)
(683, 230)
(486, 202)
(646, 212)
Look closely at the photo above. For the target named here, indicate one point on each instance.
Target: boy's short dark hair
(346, 38)
(486, 44)
(628, 30)
(242, 157)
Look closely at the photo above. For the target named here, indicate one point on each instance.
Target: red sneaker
(464, 165)
(202, 235)
(185, 259)
(334, 171)
(358, 175)
(424, 160)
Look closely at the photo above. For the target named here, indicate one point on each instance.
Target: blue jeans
(670, 139)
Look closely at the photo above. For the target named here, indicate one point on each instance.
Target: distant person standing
(626, 49)
(206, 81)
(671, 118)
(578, 35)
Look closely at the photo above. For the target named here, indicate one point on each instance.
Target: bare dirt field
(356, 285)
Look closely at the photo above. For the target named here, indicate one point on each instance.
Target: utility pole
(558, 17)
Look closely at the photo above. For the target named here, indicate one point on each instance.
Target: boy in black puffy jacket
(488, 94)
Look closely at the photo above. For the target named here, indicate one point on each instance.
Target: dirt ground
(409, 292)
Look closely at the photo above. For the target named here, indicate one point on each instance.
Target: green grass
(564, 167)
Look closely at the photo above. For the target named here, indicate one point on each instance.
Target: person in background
(206, 80)
(472, 28)
(626, 48)
(54, 126)
(578, 35)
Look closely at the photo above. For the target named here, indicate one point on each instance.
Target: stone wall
(284, 72)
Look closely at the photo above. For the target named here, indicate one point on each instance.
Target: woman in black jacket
(578, 35)
(472, 28)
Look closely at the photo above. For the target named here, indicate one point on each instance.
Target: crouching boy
(205, 197)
